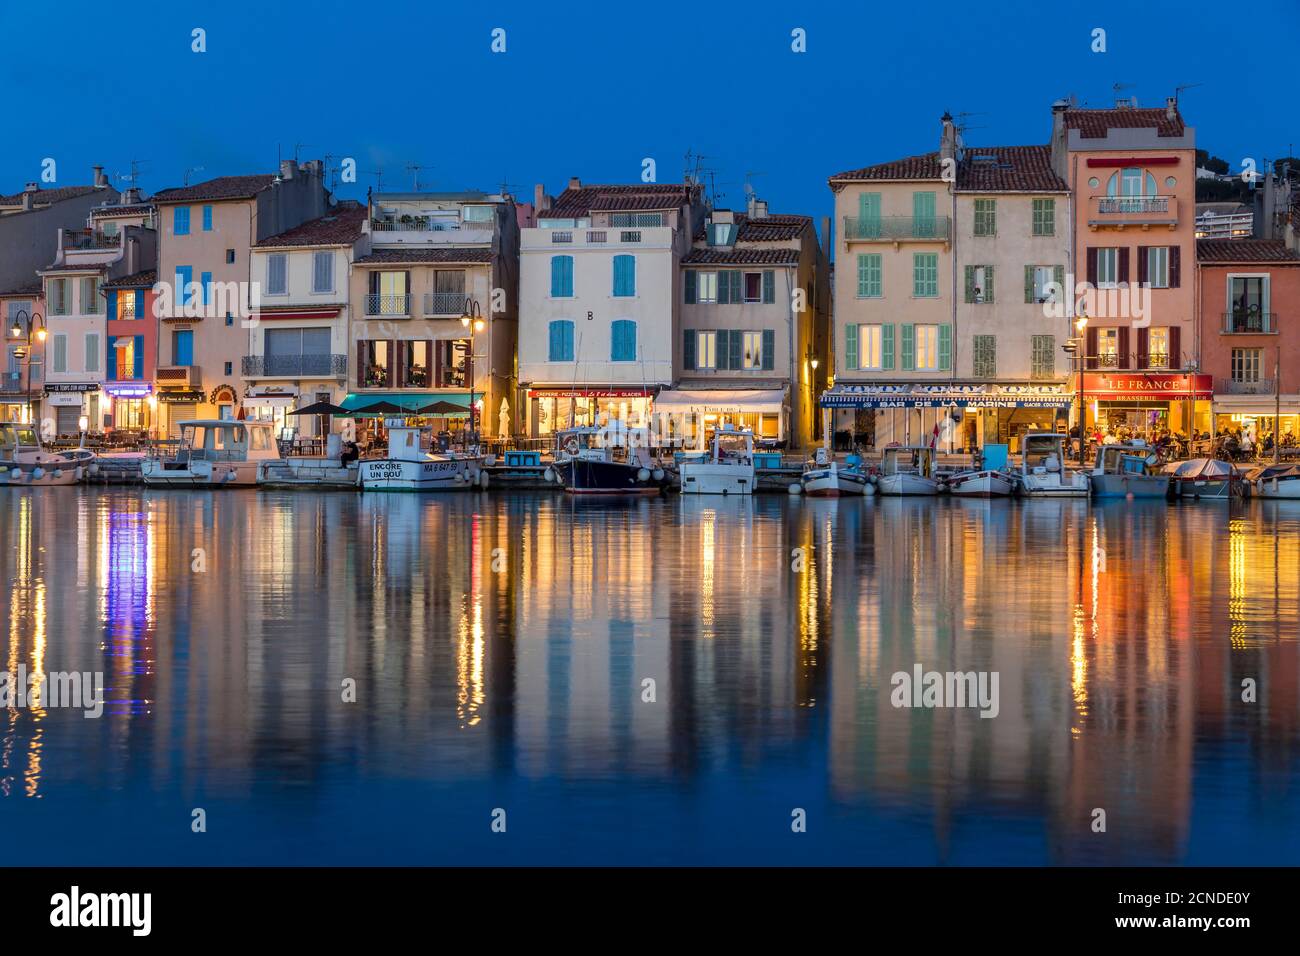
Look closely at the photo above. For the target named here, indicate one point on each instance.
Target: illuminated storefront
(68, 402)
(1259, 415)
(273, 404)
(550, 410)
(129, 405)
(678, 413)
(1147, 403)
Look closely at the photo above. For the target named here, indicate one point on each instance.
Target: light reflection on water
(500, 646)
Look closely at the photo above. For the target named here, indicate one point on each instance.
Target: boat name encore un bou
(409, 467)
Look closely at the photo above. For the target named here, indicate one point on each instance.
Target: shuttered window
(624, 276)
(979, 284)
(561, 344)
(1044, 217)
(91, 303)
(925, 275)
(561, 277)
(984, 357)
(92, 351)
(623, 341)
(59, 360)
(277, 277)
(322, 272)
(869, 275)
(207, 218)
(181, 221)
(986, 217)
(1042, 356)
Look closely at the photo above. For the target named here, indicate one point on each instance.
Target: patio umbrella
(321, 408)
(444, 408)
(379, 408)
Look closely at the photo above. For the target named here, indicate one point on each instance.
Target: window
(416, 363)
(322, 272)
(875, 347)
(986, 217)
(979, 284)
(183, 347)
(124, 357)
(923, 221)
(479, 213)
(1042, 358)
(1248, 304)
(207, 218)
(925, 274)
(184, 284)
(707, 287)
(622, 335)
(729, 287)
(636, 220)
(230, 257)
(277, 277)
(1044, 276)
(561, 277)
(868, 224)
(230, 368)
(706, 350)
(1108, 346)
(389, 293)
(927, 347)
(230, 319)
(722, 233)
(624, 276)
(297, 352)
(59, 297)
(753, 345)
(1044, 217)
(753, 286)
(1158, 348)
(561, 341)
(1158, 267)
(1107, 268)
(205, 286)
(869, 285)
(181, 220)
(374, 364)
(984, 356)
(1246, 364)
(91, 304)
(126, 303)
(59, 359)
(92, 351)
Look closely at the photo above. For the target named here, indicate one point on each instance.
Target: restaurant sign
(1147, 386)
(52, 388)
(592, 393)
(947, 395)
(181, 397)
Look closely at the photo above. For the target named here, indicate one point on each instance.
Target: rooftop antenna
(414, 170)
(1186, 86)
(192, 169)
(507, 189)
(378, 173)
(297, 148)
(1118, 88)
(133, 177)
(749, 186)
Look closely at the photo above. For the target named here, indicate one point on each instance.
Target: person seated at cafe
(349, 454)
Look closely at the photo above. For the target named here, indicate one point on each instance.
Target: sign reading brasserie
(1140, 386)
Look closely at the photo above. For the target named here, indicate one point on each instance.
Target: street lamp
(472, 319)
(1078, 346)
(23, 321)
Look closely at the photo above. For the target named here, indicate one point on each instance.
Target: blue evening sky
(592, 89)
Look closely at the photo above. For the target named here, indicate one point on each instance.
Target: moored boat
(409, 466)
(214, 454)
(988, 479)
(1274, 481)
(727, 470)
(1205, 478)
(1128, 471)
(826, 478)
(908, 470)
(1042, 471)
(25, 461)
(615, 461)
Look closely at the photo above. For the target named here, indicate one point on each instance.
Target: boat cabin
(220, 440)
(17, 438)
(733, 445)
(1042, 452)
(908, 459)
(1126, 459)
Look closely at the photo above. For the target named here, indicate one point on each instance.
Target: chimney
(1060, 139)
(575, 182)
(948, 138)
(756, 208)
(288, 168)
(100, 179)
(1171, 107)
(541, 201)
(130, 196)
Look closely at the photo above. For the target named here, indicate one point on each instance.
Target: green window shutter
(690, 286)
(769, 286)
(769, 350)
(737, 286)
(737, 347)
(851, 346)
(984, 356)
(909, 348)
(1058, 276)
(868, 216)
(988, 283)
(724, 288)
(970, 284)
(945, 348)
(986, 217)
(862, 276)
(688, 350)
(869, 275)
(887, 346)
(1029, 284)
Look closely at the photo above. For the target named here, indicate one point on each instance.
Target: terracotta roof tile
(34, 288)
(579, 203)
(1244, 250)
(417, 256)
(340, 227)
(46, 196)
(135, 209)
(139, 280)
(1094, 124)
(1008, 169)
(223, 187)
(742, 257)
(774, 228)
(924, 166)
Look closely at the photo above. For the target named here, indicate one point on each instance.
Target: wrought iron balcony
(1246, 321)
(444, 303)
(1123, 211)
(1231, 386)
(392, 306)
(294, 366)
(897, 229)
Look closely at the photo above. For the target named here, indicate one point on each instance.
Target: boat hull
(1136, 486)
(709, 478)
(199, 474)
(1288, 487)
(906, 485)
(585, 476)
(24, 476)
(1212, 488)
(981, 484)
(434, 474)
(1053, 485)
(835, 483)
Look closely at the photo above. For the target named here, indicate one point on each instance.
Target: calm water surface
(499, 644)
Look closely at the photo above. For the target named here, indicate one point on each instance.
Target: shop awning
(1255, 405)
(980, 395)
(726, 400)
(410, 403)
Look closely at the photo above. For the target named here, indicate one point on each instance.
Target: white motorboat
(1042, 468)
(410, 466)
(214, 454)
(1205, 478)
(823, 477)
(1128, 471)
(24, 461)
(907, 470)
(989, 478)
(1275, 481)
(728, 470)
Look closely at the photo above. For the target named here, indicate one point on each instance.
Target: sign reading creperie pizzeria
(1147, 386)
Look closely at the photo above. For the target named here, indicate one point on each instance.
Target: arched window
(561, 341)
(622, 341)
(1131, 181)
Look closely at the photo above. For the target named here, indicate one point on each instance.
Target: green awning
(410, 403)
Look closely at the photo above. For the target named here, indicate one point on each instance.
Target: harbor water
(527, 678)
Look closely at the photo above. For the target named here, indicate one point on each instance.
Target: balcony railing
(897, 229)
(295, 366)
(90, 240)
(1132, 210)
(1244, 321)
(187, 375)
(444, 303)
(425, 224)
(1230, 386)
(393, 306)
(1157, 360)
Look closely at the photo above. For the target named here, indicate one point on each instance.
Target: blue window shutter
(111, 371)
(688, 350)
(945, 347)
(205, 280)
(184, 348)
(207, 218)
(139, 303)
(112, 305)
(184, 277)
(568, 342)
(623, 341)
(138, 371)
(769, 286)
(690, 286)
(553, 353)
(887, 346)
(769, 347)
(561, 277)
(850, 346)
(624, 275)
(909, 348)
(181, 220)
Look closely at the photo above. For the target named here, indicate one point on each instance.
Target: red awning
(298, 314)
(1119, 161)
(1147, 386)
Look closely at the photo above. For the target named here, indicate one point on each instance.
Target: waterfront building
(1132, 176)
(206, 233)
(601, 295)
(23, 374)
(1249, 307)
(299, 340)
(947, 260)
(754, 326)
(433, 306)
(84, 354)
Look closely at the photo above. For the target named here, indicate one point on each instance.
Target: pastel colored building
(1249, 309)
(132, 354)
(755, 349)
(601, 293)
(22, 381)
